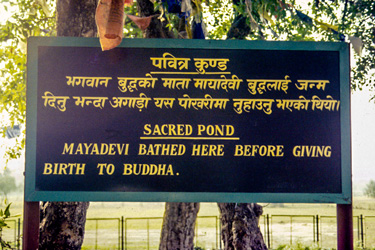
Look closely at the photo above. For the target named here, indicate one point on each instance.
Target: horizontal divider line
(190, 138)
(191, 73)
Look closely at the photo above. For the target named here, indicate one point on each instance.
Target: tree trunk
(179, 218)
(240, 226)
(240, 221)
(76, 18)
(62, 226)
(62, 223)
(178, 226)
(246, 231)
(226, 218)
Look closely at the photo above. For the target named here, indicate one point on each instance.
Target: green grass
(298, 246)
(361, 205)
(107, 230)
(91, 247)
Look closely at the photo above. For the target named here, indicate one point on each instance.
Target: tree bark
(76, 18)
(62, 226)
(63, 223)
(178, 226)
(226, 217)
(240, 226)
(157, 28)
(246, 231)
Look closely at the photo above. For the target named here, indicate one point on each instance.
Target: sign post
(188, 121)
(30, 225)
(344, 227)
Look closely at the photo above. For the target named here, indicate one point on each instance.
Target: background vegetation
(319, 20)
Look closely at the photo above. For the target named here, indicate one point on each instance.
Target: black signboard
(178, 120)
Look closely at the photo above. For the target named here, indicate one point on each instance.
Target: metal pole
(118, 234)
(122, 232)
(344, 227)
(359, 231)
(217, 234)
(15, 233)
(268, 232)
(30, 226)
(19, 234)
(317, 229)
(220, 234)
(314, 230)
(362, 232)
(265, 228)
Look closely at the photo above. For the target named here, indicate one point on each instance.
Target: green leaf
(7, 211)
(2, 223)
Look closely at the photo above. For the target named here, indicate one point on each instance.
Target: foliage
(321, 20)
(324, 21)
(4, 214)
(370, 189)
(358, 19)
(282, 20)
(130, 29)
(29, 18)
(298, 246)
(221, 17)
(7, 183)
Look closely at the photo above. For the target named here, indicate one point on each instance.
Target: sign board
(188, 120)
